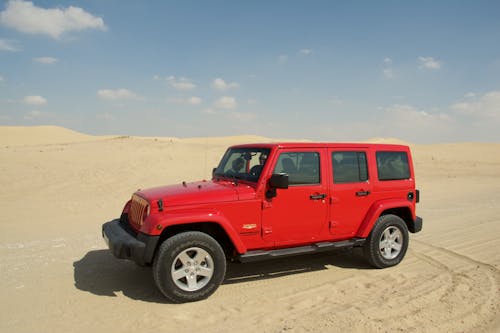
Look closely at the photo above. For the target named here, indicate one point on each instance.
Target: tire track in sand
(433, 290)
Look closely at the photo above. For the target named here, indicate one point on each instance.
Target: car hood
(201, 192)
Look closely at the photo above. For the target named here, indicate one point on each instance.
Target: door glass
(303, 168)
(349, 167)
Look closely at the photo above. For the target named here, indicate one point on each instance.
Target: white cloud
(305, 52)
(194, 100)
(485, 107)
(479, 115)
(243, 116)
(226, 102)
(282, 59)
(35, 100)
(36, 115)
(181, 83)
(428, 63)
(402, 121)
(412, 114)
(33, 115)
(9, 45)
(209, 111)
(251, 101)
(232, 115)
(46, 60)
(387, 71)
(476, 117)
(221, 85)
(117, 94)
(25, 17)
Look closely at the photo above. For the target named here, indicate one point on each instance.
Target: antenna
(205, 157)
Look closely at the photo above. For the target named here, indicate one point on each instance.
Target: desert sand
(56, 275)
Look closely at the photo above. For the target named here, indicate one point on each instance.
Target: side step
(258, 255)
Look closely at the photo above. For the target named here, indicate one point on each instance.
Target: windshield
(242, 163)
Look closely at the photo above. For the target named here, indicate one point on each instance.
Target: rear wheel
(189, 267)
(388, 241)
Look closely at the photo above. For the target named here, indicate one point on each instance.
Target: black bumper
(415, 226)
(125, 244)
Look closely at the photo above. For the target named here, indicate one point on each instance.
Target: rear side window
(349, 167)
(392, 165)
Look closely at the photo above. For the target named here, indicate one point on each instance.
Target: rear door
(350, 190)
(297, 214)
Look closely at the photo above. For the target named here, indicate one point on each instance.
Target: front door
(297, 214)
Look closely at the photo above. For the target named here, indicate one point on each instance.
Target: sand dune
(39, 135)
(59, 186)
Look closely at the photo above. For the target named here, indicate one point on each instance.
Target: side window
(392, 165)
(302, 167)
(349, 167)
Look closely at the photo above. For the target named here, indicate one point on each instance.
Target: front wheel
(189, 267)
(388, 241)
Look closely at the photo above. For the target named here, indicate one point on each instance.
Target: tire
(189, 267)
(387, 243)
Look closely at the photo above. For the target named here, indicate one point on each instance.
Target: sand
(59, 186)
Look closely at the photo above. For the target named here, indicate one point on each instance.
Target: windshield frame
(251, 169)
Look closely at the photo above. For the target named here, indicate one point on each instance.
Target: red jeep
(269, 201)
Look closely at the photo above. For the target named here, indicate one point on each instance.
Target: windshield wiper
(225, 175)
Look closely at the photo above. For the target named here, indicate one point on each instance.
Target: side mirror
(279, 180)
(213, 173)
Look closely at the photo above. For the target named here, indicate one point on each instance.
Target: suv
(270, 201)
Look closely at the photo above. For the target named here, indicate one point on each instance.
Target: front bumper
(126, 244)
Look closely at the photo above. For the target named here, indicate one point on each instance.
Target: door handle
(362, 193)
(317, 196)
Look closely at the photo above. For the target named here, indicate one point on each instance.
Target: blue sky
(426, 71)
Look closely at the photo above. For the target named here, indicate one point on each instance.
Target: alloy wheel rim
(192, 269)
(391, 242)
